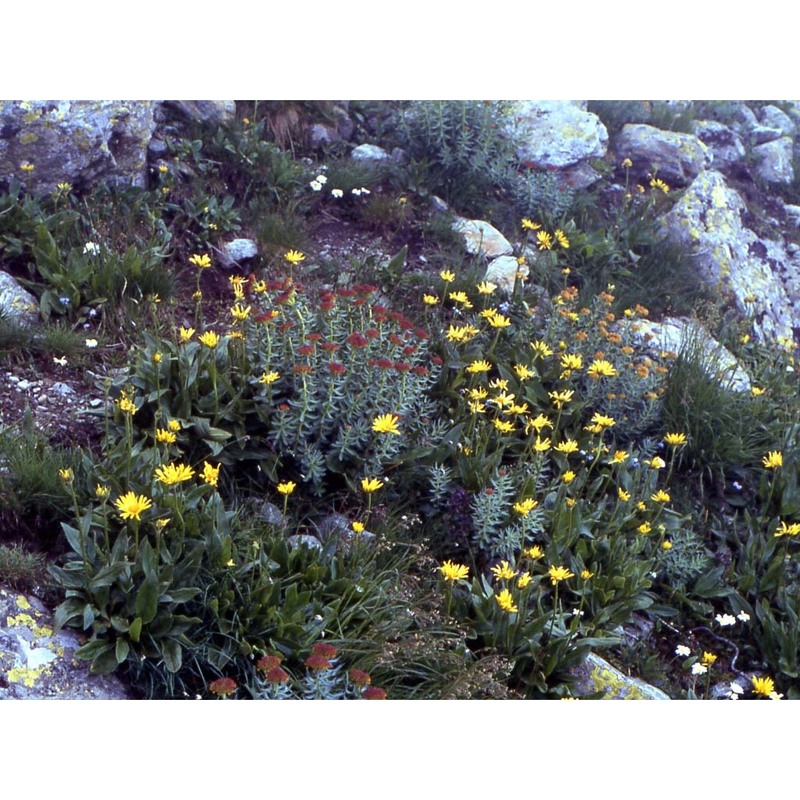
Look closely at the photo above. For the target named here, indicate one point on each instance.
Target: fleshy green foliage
(686, 560)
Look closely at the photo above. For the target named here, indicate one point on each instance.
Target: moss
(28, 137)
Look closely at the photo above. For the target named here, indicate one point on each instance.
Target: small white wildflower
(323, 179)
(577, 613)
(725, 619)
(699, 669)
(733, 696)
(357, 192)
(91, 248)
(775, 696)
(736, 688)
(337, 193)
(364, 191)
(315, 185)
(90, 343)
(62, 362)
(737, 486)
(743, 616)
(682, 650)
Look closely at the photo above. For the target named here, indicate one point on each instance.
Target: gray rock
(773, 117)
(481, 237)
(17, 305)
(597, 675)
(759, 134)
(726, 145)
(333, 525)
(271, 514)
(369, 152)
(237, 250)
(303, 540)
(79, 142)
(556, 133)
(774, 160)
(793, 215)
(676, 158)
(38, 663)
(157, 148)
(728, 257)
(320, 135)
(213, 111)
(503, 272)
(62, 389)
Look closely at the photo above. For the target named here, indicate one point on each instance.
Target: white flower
(321, 179)
(356, 192)
(733, 696)
(736, 688)
(682, 650)
(62, 362)
(743, 616)
(91, 248)
(775, 696)
(90, 343)
(577, 613)
(699, 669)
(725, 619)
(315, 185)
(337, 193)
(364, 191)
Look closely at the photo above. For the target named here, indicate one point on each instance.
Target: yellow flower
(240, 312)
(269, 377)
(209, 339)
(773, 459)
(386, 423)
(534, 552)
(479, 366)
(461, 333)
(64, 187)
(623, 495)
(567, 446)
(201, 262)
(210, 473)
(523, 580)
(641, 506)
(541, 445)
(476, 407)
(165, 436)
(486, 287)
(561, 239)
(174, 473)
(600, 368)
(358, 527)
(130, 505)
(454, 572)
(478, 393)
(602, 421)
(570, 361)
(558, 574)
(657, 463)
(538, 423)
(626, 162)
(523, 373)
(666, 545)
(660, 496)
(430, 299)
(162, 168)
(126, 405)
(545, 240)
(498, 321)
(101, 492)
(286, 488)
(503, 571)
(506, 601)
(620, 457)
(559, 398)
(503, 426)
(529, 225)
(447, 276)
(294, 256)
(787, 530)
(174, 425)
(460, 297)
(585, 574)
(657, 183)
(370, 485)
(162, 523)
(707, 659)
(26, 167)
(541, 349)
(157, 358)
(763, 686)
(568, 476)
(259, 287)
(524, 507)
(498, 383)
(675, 439)
(66, 475)
(644, 528)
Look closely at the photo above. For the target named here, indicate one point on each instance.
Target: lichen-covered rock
(676, 158)
(729, 257)
(503, 272)
(774, 117)
(303, 540)
(672, 334)
(17, 306)
(213, 111)
(38, 662)
(724, 143)
(77, 142)
(596, 675)
(774, 160)
(556, 133)
(237, 250)
(369, 152)
(481, 237)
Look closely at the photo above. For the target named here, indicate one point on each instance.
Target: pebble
(24, 384)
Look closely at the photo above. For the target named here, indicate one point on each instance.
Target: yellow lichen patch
(27, 621)
(27, 677)
(614, 686)
(22, 602)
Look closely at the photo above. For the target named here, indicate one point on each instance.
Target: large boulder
(482, 237)
(725, 144)
(676, 158)
(77, 142)
(18, 307)
(212, 111)
(729, 257)
(596, 676)
(774, 160)
(38, 663)
(556, 134)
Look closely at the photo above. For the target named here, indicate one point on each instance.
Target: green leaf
(136, 629)
(122, 649)
(147, 601)
(172, 654)
(92, 649)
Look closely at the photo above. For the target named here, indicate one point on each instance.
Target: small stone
(96, 403)
(369, 152)
(24, 384)
(303, 540)
(62, 389)
(238, 250)
(271, 514)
